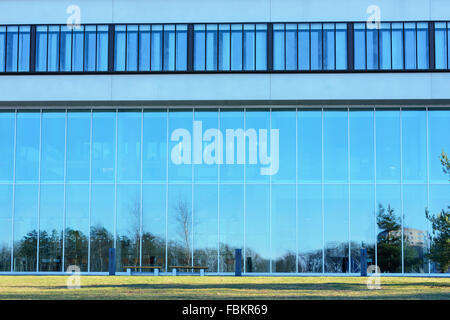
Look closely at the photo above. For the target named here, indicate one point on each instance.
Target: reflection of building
(413, 237)
(177, 131)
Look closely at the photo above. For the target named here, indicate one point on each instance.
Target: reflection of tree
(76, 248)
(128, 243)
(50, 250)
(183, 218)
(101, 241)
(389, 240)
(285, 263)
(5, 257)
(440, 239)
(25, 252)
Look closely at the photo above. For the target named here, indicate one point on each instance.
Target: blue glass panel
(6, 196)
(12, 49)
(209, 153)
(53, 48)
(285, 122)
(7, 124)
(41, 48)
(441, 45)
(25, 227)
(179, 225)
(27, 146)
(154, 225)
(415, 229)
(169, 47)
(310, 228)
(257, 228)
(256, 161)
(129, 146)
(103, 146)
(397, 46)
(119, 48)
(102, 226)
(328, 46)
(232, 169)
(410, 46)
(316, 46)
(422, 46)
(231, 225)
(155, 146)
(249, 47)
(24, 49)
(385, 46)
(388, 146)
(362, 225)
(102, 48)
(361, 146)
(180, 145)
(335, 146)
(283, 226)
(90, 46)
(76, 231)
(372, 49)
(205, 222)
(199, 47)
(278, 47)
(341, 46)
(66, 49)
(303, 46)
(144, 48)
(78, 146)
(438, 139)
(211, 47)
(310, 146)
(156, 47)
(132, 48)
(129, 211)
(414, 146)
(236, 47)
(336, 228)
(2, 48)
(360, 46)
(51, 224)
(78, 49)
(291, 47)
(181, 47)
(389, 225)
(224, 47)
(53, 146)
(261, 47)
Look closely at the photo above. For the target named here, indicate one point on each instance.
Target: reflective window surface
(441, 37)
(298, 190)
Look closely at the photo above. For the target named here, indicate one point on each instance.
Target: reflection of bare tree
(129, 241)
(184, 220)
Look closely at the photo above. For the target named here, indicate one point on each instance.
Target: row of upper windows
(224, 47)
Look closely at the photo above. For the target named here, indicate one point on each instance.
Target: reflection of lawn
(194, 287)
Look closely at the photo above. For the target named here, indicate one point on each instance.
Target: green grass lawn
(194, 287)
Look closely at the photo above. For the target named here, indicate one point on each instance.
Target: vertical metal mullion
(218, 193)
(269, 47)
(254, 46)
(65, 191)
(138, 49)
(349, 264)
(296, 184)
(90, 193)
(365, 43)
(335, 47)
(162, 48)
(231, 52)
(192, 192)
(115, 178)
(322, 59)
(217, 55)
(245, 196)
(350, 46)
(32, 49)
(141, 217)
(375, 183)
(39, 192)
(298, 52)
(270, 199)
(431, 47)
(284, 27)
(167, 186)
(206, 49)
(392, 59)
(175, 50)
(111, 44)
(417, 47)
(71, 51)
(323, 199)
(190, 47)
(84, 47)
(242, 51)
(428, 186)
(310, 50)
(401, 188)
(13, 190)
(404, 50)
(150, 46)
(6, 47)
(378, 46)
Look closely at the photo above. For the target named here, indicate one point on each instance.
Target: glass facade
(233, 47)
(300, 190)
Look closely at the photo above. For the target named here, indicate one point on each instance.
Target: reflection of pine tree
(184, 219)
(389, 240)
(25, 254)
(101, 241)
(5, 257)
(76, 248)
